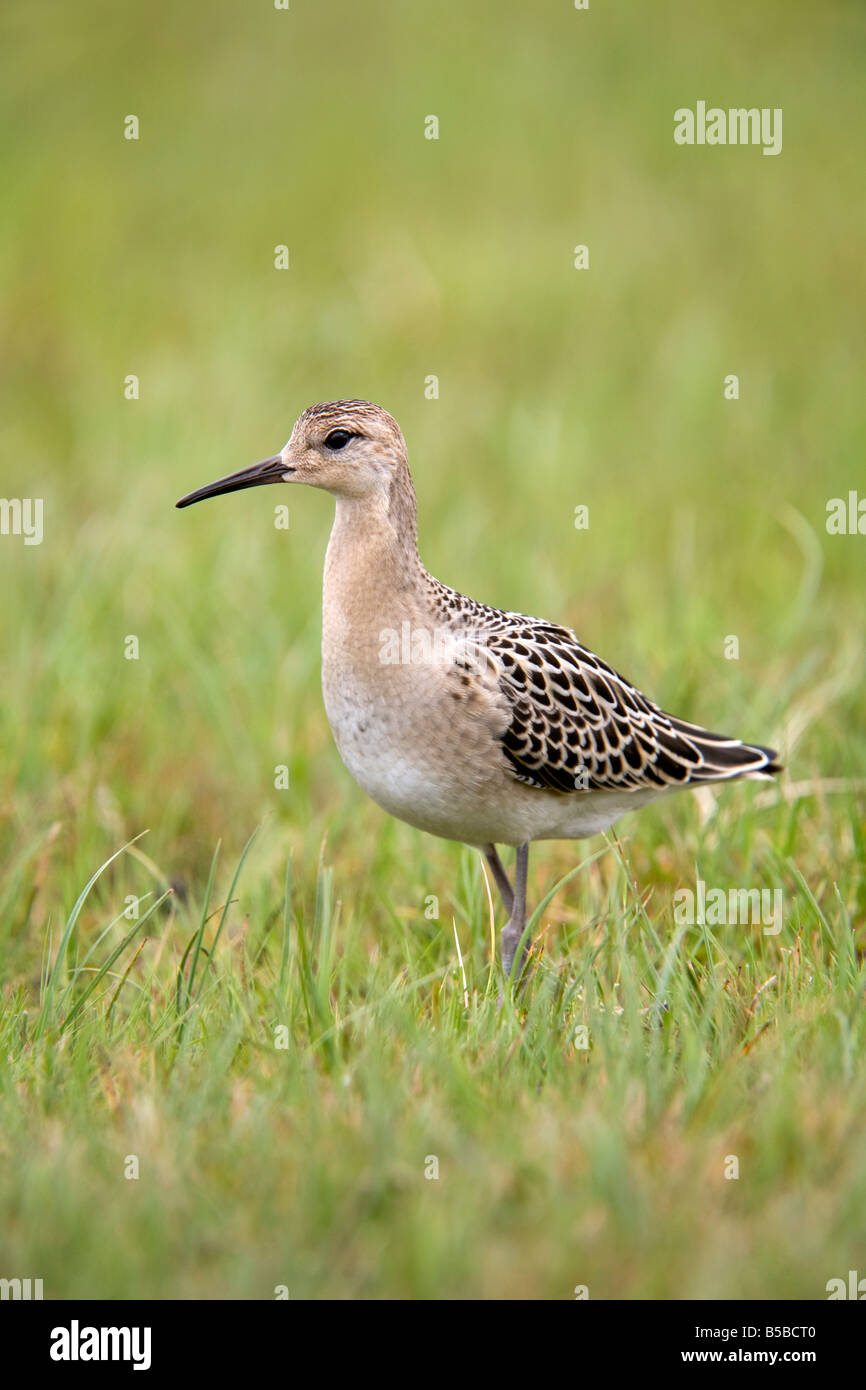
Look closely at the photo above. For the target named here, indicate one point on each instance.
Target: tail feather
(726, 758)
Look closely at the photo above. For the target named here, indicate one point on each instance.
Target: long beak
(272, 470)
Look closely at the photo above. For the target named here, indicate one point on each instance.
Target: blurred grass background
(557, 387)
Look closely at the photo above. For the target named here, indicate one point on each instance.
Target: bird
(466, 721)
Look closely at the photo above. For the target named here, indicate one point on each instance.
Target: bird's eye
(338, 439)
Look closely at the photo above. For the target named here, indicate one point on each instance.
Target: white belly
(393, 744)
(450, 777)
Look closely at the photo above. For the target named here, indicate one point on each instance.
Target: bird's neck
(372, 566)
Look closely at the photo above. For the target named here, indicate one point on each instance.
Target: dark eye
(338, 439)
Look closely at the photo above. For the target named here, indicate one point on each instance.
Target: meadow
(249, 1036)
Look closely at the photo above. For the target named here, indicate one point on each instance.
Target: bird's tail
(728, 758)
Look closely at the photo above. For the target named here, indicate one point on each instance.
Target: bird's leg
(513, 930)
(501, 877)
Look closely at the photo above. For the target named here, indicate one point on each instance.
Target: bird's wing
(567, 721)
(577, 725)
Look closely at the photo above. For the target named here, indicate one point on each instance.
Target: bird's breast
(406, 727)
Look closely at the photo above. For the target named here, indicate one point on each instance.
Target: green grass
(263, 1165)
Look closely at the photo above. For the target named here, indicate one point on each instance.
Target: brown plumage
(469, 722)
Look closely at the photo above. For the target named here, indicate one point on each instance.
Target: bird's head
(352, 449)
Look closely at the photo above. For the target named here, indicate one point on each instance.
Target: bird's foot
(509, 942)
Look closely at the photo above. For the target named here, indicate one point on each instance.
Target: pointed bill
(272, 470)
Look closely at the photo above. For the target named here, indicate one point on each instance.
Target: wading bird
(468, 722)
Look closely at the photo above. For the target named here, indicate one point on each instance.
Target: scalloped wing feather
(576, 724)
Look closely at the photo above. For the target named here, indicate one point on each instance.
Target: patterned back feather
(575, 723)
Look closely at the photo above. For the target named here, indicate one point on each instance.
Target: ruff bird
(474, 724)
